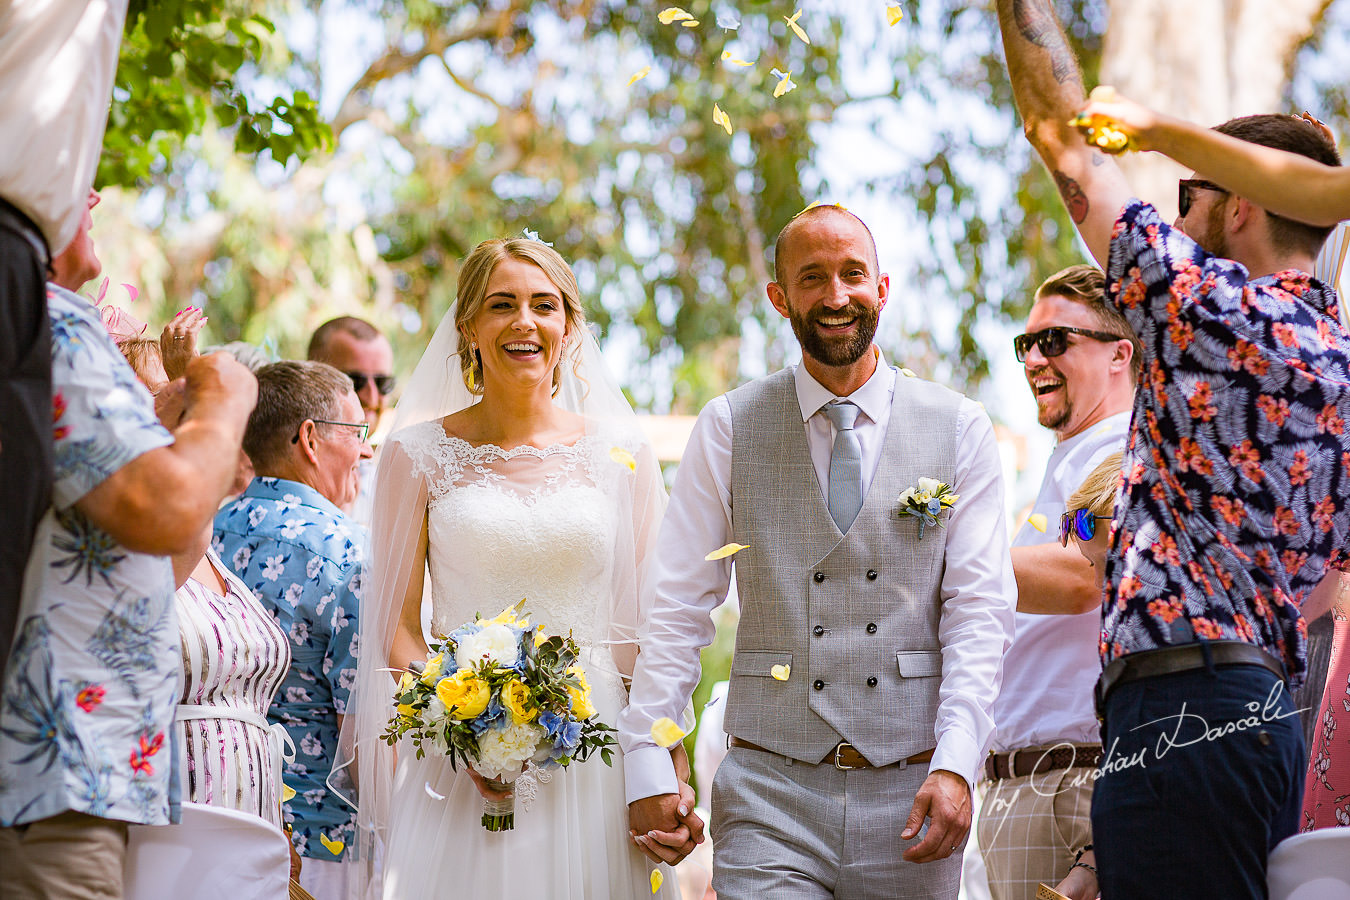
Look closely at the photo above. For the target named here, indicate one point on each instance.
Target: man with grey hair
(287, 538)
(872, 624)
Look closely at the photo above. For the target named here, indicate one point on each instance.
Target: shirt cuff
(956, 752)
(649, 771)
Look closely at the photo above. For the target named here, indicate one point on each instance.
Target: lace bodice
(523, 523)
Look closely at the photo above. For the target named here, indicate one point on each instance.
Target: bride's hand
(490, 789)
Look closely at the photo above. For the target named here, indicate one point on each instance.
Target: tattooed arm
(1048, 88)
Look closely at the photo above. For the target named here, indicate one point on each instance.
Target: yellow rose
(464, 694)
(582, 707)
(516, 697)
(407, 710)
(433, 670)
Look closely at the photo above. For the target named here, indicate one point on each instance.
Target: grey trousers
(784, 829)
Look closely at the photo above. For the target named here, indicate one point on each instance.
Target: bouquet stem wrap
(499, 814)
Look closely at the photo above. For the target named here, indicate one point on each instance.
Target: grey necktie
(845, 464)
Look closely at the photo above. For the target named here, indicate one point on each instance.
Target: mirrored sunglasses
(1082, 523)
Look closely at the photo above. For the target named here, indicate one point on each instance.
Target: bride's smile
(521, 327)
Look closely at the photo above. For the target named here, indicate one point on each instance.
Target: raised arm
(1048, 88)
(1284, 183)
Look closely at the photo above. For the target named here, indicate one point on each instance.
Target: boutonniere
(926, 501)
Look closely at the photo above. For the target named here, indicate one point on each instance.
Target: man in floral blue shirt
(95, 667)
(289, 541)
(1233, 512)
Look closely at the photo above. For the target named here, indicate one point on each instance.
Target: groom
(868, 650)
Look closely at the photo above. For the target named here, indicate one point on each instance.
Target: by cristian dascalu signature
(1184, 729)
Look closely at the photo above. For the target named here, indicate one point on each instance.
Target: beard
(1211, 239)
(838, 351)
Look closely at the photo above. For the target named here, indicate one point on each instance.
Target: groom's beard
(835, 351)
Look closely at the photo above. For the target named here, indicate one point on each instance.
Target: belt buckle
(837, 763)
(1012, 762)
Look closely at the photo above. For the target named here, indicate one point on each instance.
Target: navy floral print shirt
(93, 675)
(302, 558)
(1234, 502)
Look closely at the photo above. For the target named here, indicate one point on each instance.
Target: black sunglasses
(1055, 340)
(1082, 522)
(383, 383)
(1184, 187)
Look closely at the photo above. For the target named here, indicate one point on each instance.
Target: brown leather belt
(1039, 760)
(1180, 658)
(843, 756)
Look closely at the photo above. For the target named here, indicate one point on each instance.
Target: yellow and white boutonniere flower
(925, 501)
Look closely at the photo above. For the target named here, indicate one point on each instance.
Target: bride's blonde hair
(471, 294)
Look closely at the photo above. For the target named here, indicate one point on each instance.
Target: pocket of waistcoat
(919, 663)
(759, 662)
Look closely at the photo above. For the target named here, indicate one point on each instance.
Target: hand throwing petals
(639, 75)
(721, 118)
(797, 29)
(724, 551)
(666, 733)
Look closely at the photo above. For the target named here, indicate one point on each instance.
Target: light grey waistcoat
(854, 616)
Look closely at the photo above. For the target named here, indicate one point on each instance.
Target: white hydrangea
(497, 644)
(503, 753)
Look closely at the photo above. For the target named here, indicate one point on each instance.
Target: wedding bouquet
(499, 695)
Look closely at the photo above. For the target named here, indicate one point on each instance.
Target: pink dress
(234, 658)
(1326, 795)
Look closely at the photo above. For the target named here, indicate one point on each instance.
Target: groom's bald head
(783, 247)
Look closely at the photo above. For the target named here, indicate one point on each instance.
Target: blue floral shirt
(302, 557)
(93, 674)
(1237, 488)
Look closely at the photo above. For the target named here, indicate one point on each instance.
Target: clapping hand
(178, 341)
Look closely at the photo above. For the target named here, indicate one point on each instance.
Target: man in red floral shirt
(1234, 509)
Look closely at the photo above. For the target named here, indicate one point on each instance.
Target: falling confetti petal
(639, 75)
(721, 118)
(726, 55)
(785, 84)
(287, 792)
(781, 673)
(692, 23)
(908, 373)
(894, 14)
(797, 29)
(657, 878)
(623, 458)
(1037, 521)
(431, 793)
(334, 847)
(672, 14)
(666, 733)
(534, 236)
(729, 20)
(724, 551)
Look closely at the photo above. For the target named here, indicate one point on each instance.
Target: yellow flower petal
(727, 57)
(691, 23)
(784, 85)
(623, 458)
(721, 118)
(657, 878)
(908, 373)
(894, 14)
(334, 847)
(797, 29)
(287, 792)
(672, 14)
(639, 75)
(781, 673)
(725, 550)
(1037, 521)
(666, 733)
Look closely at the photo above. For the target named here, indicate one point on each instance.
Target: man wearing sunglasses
(1234, 507)
(1081, 362)
(288, 540)
(358, 349)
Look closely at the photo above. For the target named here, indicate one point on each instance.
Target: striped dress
(234, 659)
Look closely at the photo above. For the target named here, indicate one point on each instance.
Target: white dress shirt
(57, 59)
(979, 593)
(1053, 663)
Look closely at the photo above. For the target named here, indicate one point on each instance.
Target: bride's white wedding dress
(544, 525)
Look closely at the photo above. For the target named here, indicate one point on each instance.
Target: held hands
(665, 827)
(944, 799)
(178, 341)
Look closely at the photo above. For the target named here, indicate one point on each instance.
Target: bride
(524, 475)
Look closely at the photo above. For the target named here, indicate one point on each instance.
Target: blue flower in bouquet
(495, 716)
(564, 731)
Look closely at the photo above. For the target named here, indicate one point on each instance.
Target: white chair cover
(213, 854)
(1312, 866)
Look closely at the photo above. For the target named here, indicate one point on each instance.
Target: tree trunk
(1202, 60)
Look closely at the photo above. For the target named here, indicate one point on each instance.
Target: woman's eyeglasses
(1184, 187)
(1082, 523)
(383, 383)
(1055, 340)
